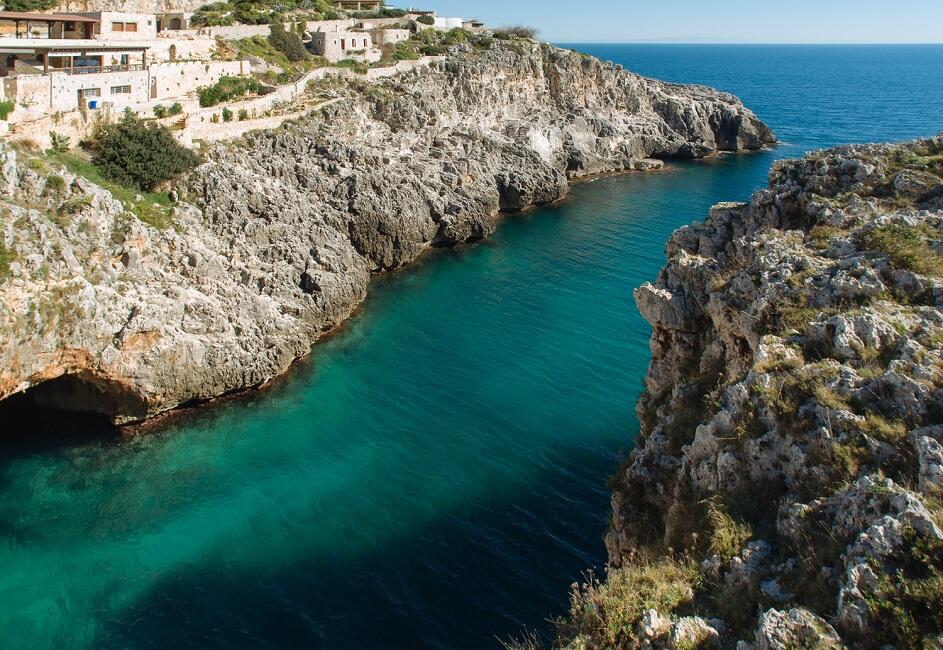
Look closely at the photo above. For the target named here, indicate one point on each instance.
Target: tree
(288, 43)
(138, 155)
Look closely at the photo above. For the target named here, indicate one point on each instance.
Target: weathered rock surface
(276, 237)
(791, 426)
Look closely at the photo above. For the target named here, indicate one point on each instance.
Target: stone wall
(176, 80)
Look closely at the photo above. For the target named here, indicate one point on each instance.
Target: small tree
(426, 20)
(227, 115)
(288, 43)
(138, 155)
(58, 143)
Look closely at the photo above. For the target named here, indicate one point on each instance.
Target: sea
(435, 475)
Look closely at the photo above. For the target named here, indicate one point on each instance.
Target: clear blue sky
(712, 21)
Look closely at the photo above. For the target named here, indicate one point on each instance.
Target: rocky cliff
(274, 239)
(785, 489)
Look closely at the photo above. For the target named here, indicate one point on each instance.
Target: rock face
(791, 426)
(275, 238)
(132, 6)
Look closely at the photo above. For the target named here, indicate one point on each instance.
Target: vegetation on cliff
(785, 489)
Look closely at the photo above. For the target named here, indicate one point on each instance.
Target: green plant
(160, 111)
(58, 143)
(225, 89)
(355, 66)
(727, 537)
(907, 602)
(214, 118)
(6, 107)
(907, 247)
(606, 613)
(288, 43)
(227, 115)
(139, 155)
(243, 115)
(426, 20)
(6, 259)
(176, 108)
(54, 184)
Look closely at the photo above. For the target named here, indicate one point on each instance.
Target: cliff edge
(785, 489)
(273, 241)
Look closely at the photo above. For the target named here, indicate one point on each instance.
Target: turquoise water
(435, 475)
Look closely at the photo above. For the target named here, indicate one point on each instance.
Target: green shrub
(6, 107)
(58, 143)
(243, 115)
(426, 20)
(288, 43)
(6, 258)
(227, 115)
(225, 89)
(176, 108)
(160, 111)
(356, 66)
(29, 5)
(139, 155)
(55, 184)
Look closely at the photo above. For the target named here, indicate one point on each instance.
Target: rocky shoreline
(786, 489)
(275, 238)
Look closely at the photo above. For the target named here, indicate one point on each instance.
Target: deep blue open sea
(435, 475)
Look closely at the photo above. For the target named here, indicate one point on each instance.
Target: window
(121, 90)
(117, 27)
(124, 27)
(90, 92)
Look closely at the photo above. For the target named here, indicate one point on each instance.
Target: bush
(29, 5)
(160, 111)
(55, 184)
(355, 66)
(139, 155)
(58, 143)
(6, 107)
(288, 43)
(225, 89)
(176, 108)
(426, 20)
(227, 115)
(243, 115)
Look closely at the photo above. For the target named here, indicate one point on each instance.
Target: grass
(907, 247)
(260, 47)
(728, 536)
(606, 613)
(7, 257)
(907, 602)
(153, 208)
(884, 429)
(355, 66)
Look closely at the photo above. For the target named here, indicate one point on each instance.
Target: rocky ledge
(785, 490)
(274, 239)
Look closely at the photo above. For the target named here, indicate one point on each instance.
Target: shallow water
(435, 475)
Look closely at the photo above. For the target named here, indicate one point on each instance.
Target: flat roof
(8, 44)
(40, 17)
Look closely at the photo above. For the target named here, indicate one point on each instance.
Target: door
(153, 88)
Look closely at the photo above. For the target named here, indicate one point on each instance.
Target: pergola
(30, 18)
(72, 50)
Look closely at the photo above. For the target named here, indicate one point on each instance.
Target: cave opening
(63, 411)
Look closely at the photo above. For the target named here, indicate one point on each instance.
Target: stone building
(342, 44)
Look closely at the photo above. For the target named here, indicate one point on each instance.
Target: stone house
(343, 44)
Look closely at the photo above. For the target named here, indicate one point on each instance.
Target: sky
(712, 21)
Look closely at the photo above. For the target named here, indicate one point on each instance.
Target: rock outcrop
(274, 239)
(791, 428)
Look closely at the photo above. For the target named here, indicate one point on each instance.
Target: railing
(98, 69)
